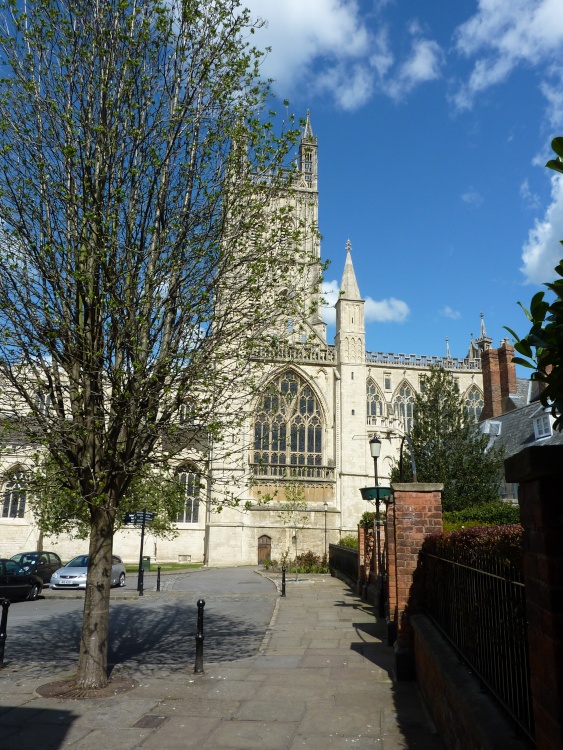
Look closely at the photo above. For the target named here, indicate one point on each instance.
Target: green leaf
(523, 362)
(557, 146)
(556, 165)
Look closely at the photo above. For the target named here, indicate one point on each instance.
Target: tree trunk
(92, 663)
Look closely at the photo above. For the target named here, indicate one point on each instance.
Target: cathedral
(302, 457)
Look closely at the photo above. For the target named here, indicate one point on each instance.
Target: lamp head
(375, 447)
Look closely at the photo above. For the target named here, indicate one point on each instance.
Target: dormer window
(542, 426)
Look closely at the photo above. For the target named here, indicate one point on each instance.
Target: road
(152, 633)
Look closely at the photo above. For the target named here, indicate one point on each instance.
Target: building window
(542, 426)
(422, 383)
(288, 424)
(42, 402)
(14, 496)
(403, 405)
(192, 485)
(474, 403)
(374, 399)
(387, 381)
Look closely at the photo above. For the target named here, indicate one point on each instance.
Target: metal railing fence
(344, 559)
(480, 606)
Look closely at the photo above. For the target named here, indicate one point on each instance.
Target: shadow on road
(162, 635)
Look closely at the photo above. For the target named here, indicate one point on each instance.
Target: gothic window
(192, 484)
(42, 402)
(14, 495)
(288, 424)
(474, 403)
(403, 404)
(375, 400)
(308, 165)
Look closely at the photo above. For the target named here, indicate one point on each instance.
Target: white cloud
(553, 92)
(389, 310)
(472, 197)
(502, 35)
(328, 48)
(531, 200)
(386, 310)
(448, 312)
(331, 290)
(423, 64)
(542, 251)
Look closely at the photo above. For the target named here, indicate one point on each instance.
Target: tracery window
(14, 495)
(403, 404)
(192, 485)
(474, 403)
(375, 400)
(288, 423)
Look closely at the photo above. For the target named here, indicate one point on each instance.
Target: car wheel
(121, 580)
(33, 593)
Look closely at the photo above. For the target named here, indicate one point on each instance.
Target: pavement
(320, 677)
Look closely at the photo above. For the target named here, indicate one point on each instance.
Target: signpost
(142, 518)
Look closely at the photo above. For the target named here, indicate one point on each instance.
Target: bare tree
(143, 226)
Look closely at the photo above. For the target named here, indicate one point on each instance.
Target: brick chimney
(499, 379)
(491, 384)
(507, 371)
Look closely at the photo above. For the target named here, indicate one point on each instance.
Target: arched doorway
(264, 549)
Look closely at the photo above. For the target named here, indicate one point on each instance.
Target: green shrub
(474, 546)
(368, 519)
(270, 564)
(349, 541)
(309, 562)
(487, 514)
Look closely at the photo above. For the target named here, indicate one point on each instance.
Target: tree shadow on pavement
(161, 635)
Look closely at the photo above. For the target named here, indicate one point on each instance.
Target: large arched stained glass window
(374, 399)
(288, 424)
(14, 495)
(403, 404)
(474, 403)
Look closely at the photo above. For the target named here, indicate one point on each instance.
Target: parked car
(43, 564)
(73, 574)
(17, 583)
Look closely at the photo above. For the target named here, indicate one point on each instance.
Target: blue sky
(434, 122)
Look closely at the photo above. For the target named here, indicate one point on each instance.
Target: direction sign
(138, 517)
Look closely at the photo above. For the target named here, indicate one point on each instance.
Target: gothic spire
(308, 130)
(448, 355)
(349, 286)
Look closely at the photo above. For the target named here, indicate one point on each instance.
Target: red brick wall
(391, 564)
(539, 472)
(417, 512)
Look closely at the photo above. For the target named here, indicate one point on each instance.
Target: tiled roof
(517, 431)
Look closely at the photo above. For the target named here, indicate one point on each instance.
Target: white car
(73, 574)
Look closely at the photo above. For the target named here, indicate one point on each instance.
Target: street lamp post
(326, 508)
(375, 450)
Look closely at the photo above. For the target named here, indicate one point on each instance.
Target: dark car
(43, 564)
(17, 583)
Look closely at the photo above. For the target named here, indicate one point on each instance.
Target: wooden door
(264, 549)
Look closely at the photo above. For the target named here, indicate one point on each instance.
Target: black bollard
(283, 580)
(198, 669)
(141, 581)
(3, 628)
(158, 579)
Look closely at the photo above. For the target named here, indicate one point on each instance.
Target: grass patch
(164, 567)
